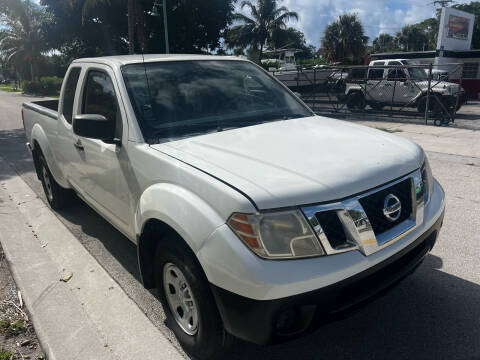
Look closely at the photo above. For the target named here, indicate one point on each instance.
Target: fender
(352, 88)
(38, 136)
(186, 213)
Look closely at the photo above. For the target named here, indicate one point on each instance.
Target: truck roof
(120, 60)
(388, 60)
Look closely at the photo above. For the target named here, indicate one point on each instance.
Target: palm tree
(21, 38)
(261, 29)
(345, 38)
(412, 38)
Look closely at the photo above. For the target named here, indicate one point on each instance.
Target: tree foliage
(412, 38)
(293, 38)
(344, 40)
(79, 31)
(21, 37)
(108, 27)
(384, 43)
(194, 26)
(262, 28)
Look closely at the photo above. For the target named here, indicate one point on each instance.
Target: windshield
(416, 73)
(181, 98)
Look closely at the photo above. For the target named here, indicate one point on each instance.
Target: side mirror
(94, 126)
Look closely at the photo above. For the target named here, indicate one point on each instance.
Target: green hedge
(49, 85)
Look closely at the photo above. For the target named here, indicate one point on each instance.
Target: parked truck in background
(253, 217)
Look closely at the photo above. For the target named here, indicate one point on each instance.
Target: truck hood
(437, 85)
(299, 161)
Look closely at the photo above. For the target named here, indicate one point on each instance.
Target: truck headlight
(276, 235)
(427, 179)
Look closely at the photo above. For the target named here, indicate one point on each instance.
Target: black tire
(433, 104)
(356, 101)
(57, 196)
(210, 340)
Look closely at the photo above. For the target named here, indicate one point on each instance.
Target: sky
(377, 16)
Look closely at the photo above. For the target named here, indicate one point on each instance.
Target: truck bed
(49, 104)
(48, 108)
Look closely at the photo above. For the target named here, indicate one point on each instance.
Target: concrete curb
(88, 317)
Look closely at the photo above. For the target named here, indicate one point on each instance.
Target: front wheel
(188, 302)
(356, 101)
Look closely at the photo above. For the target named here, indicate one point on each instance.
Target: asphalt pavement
(433, 314)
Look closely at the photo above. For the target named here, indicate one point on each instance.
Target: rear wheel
(188, 301)
(433, 104)
(356, 101)
(57, 196)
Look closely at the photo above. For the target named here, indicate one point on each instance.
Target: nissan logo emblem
(392, 207)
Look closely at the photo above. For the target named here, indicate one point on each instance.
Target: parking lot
(433, 314)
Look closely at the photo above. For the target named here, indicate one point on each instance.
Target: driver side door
(104, 167)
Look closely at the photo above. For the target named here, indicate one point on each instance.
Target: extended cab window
(69, 93)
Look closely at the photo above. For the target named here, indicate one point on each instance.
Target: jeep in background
(405, 84)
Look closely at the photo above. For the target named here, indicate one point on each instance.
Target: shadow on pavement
(14, 150)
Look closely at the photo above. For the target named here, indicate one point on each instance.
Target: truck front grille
(370, 221)
(373, 205)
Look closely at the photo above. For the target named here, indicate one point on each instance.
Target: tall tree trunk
(131, 26)
(260, 54)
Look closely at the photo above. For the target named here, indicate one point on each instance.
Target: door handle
(78, 145)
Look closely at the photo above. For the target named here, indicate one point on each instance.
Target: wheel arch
(167, 210)
(154, 231)
(40, 145)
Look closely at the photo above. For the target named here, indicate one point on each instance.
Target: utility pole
(155, 12)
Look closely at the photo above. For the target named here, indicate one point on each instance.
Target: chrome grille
(373, 205)
(359, 222)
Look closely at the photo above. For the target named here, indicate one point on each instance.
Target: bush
(49, 85)
(269, 64)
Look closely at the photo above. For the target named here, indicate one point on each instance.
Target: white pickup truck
(253, 217)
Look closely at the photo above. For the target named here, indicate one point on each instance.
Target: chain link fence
(384, 89)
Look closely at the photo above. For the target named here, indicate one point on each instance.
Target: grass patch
(10, 88)
(13, 328)
(5, 354)
(391, 131)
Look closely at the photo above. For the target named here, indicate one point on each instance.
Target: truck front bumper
(272, 321)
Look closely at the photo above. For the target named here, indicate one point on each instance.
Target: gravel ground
(17, 335)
